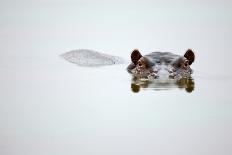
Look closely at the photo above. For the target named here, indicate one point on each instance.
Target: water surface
(51, 106)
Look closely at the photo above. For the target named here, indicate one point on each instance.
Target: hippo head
(159, 66)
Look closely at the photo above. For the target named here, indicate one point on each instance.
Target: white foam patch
(90, 58)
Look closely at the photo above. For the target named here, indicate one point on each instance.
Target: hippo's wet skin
(161, 65)
(161, 70)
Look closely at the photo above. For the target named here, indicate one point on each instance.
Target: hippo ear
(135, 56)
(190, 56)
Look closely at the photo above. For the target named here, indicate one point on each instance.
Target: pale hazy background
(50, 106)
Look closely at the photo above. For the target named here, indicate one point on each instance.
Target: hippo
(156, 70)
(161, 65)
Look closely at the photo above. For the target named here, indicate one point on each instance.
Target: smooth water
(51, 106)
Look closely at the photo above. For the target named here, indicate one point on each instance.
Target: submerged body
(161, 65)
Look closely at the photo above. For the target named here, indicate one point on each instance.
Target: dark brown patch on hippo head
(135, 56)
(190, 56)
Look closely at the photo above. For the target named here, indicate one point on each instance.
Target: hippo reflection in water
(162, 84)
(157, 70)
